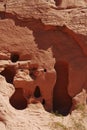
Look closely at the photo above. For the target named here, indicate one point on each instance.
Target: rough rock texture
(43, 64)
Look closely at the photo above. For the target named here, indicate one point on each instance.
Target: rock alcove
(17, 100)
(58, 2)
(14, 57)
(9, 73)
(62, 102)
(37, 92)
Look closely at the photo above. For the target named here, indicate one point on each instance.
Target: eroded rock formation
(43, 60)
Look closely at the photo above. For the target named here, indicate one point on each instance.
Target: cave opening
(14, 57)
(62, 102)
(58, 2)
(2, 14)
(45, 70)
(37, 92)
(9, 73)
(17, 100)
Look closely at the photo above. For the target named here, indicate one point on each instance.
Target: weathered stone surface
(79, 101)
(75, 19)
(43, 63)
(71, 4)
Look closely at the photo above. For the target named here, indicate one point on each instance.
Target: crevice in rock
(43, 102)
(37, 92)
(9, 73)
(17, 100)
(14, 57)
(62, 102)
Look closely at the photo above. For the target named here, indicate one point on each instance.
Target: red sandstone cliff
(43, 64)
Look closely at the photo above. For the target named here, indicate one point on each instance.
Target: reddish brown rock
(43, 60)
(70, 4)
(79, 101)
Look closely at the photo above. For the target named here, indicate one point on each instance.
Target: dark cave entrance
(62, 102)
(2, 14)
(9, 73)
(17, 100)
(14, 57)
(58, 2)
(37, 92)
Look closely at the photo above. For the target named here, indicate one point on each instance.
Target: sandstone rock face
(71, 4)
(43, 61)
